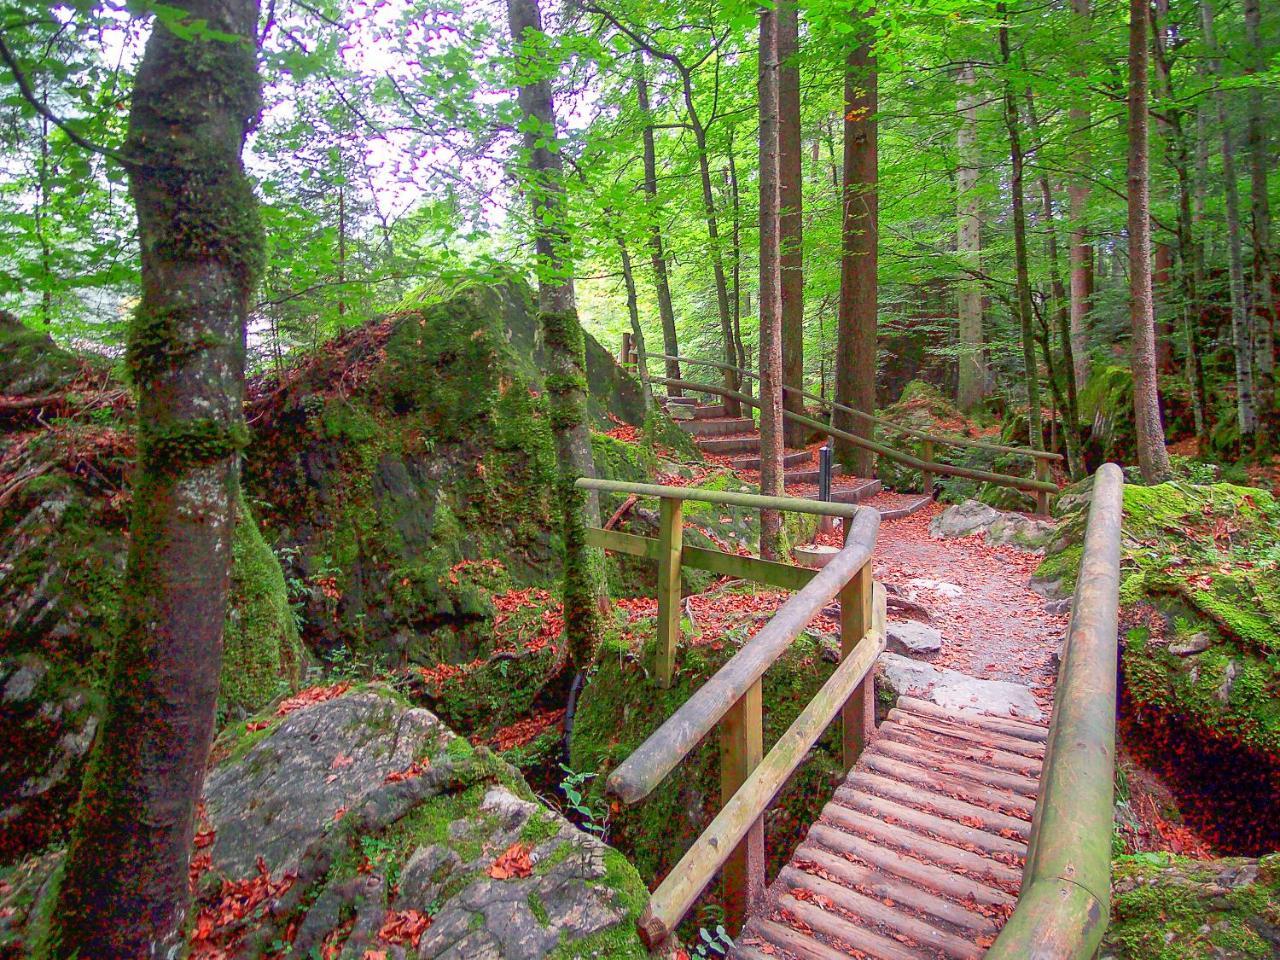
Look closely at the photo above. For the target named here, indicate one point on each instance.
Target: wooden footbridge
(954, 834)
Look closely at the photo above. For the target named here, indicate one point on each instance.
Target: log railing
(1041, 486)
(1065, 902)
(731, 700)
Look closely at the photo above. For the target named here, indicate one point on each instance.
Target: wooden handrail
(1065, 902)
(943, 438)
(732, 699)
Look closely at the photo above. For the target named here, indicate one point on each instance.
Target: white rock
(912, 639)
(957, 691)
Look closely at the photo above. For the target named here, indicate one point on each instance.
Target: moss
(176, 447)
(538, 909)
(343, 420)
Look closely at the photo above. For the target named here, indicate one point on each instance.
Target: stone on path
(957, 691)
(912, 639)
(1000, 527)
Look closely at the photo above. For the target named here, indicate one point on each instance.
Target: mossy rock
(1170, 908)
(30, 362)
(1106, 407)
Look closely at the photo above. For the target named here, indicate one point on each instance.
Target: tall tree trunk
(1259, 158)
(791, 223)
(1078, 196)
(1161, 291)
(342, 247)
(1065, 397)
(856, 317)
(1034, 422)
(584, 588)
(735, 199)
(633, 312)
(771, 441)
(657, 257)
(1241, 333)
(124, 893)
(1153, 458)
(972, 381)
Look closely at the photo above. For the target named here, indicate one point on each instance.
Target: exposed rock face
(1013, 529)
(1194, 910)
(955, 690)
(455, 836)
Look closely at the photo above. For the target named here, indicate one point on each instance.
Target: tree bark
(1259, 159)
(972, 380)
(857, 320)
(1035, 425)
(125, 893)
(1081, 250)
(1241, 334)
(771, 440)
(791, 220)
(1153, 458)
(585, 595)
(633, 312)
(657, 257)
(735, 200)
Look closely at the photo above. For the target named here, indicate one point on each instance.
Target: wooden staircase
(919, 856)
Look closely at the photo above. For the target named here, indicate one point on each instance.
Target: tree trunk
(633, 311)
(735, 199)
(1241, 334)
(584, 588)
(856, 317)
(791, 221)
(1081, 251)
(1153, 458)
(771, 475)
(972, 385)
(657, 257)
(1035, 426)
(125, 892)
(1161, 289)
(1264, 329)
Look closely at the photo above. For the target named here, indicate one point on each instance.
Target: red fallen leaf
(310, 696)
(339, 814)
(513, 863)
(404, 927)
(411, 772)
(253, 726)
(342, 760)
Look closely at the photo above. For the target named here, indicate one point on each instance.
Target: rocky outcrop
(972, 518)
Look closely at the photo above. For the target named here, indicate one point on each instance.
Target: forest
(556, 479)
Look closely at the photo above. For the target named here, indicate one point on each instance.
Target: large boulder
(972, 518)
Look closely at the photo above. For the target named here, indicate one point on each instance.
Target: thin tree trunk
(856, 326)
(585, 594)
(1034, 423)
(633, 312)
(1081, 251)
(125, 892)
(791, 222)
(1153, 458)
(657, 257)
(972, 380)
(1264, 329)
(1161, 291)
(736, 202)
(342, 248)
(1241, 334)
(771, 440)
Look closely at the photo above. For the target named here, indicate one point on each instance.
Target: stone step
(709, 412)
(680, 401)
(715, 428)
(857, 491)
(810, 475)
(792, 458)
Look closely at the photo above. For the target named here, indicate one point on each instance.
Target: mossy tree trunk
(124, 892)
(585, 598)
(771, 420)
(791, 218)
(972, 374)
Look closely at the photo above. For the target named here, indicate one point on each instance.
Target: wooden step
(992, 798)
(727, 446)
(680, 401)
(1006, 725)
(969, 752)
(961, 833)
(934, 761)
(792, 458)
(715, 428)
(938, 802)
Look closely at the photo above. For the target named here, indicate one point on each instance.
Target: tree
(791, 217)
(771, 440)
(124, 892)
(857, 319)
(1153, 458)
(1078, 197)
(972, 387)
(1260, 221)
(543, 175)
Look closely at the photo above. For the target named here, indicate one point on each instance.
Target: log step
(792, 458)
(719, 427)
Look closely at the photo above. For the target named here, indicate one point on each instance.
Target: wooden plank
(670, 544)
(741, 750)
(733, 498)
(992, 798)
(960, 731)
(784, 575)
(628, 543)
(875, 911)
(944, 828)
(946, 882)
(846, 931)
(855, 621)
(887, 886)
(676, 894)
(794, 942)
(932, 800)
(1007, 725)
(970, 752)
(927, 759)
(942, 854)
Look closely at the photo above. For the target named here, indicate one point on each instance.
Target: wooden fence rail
(733, 843)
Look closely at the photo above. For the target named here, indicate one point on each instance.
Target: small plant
(594, 817)
(713, 943)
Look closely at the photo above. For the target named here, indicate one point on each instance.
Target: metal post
(825, 524)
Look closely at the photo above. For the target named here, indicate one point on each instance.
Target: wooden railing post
(855, 621)
(1042, 496)
(741, 750)
(625, 354)
(926, 476)
(670, 546)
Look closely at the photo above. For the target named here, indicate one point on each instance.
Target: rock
(954, 690)
(680, 411)
(1198, 642)
(1058, 607)
(1000, 527)
(913, 639)
(949, 590)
